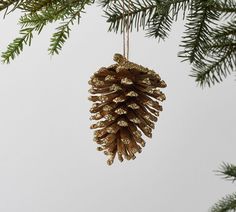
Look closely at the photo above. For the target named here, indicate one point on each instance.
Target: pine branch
(31, 22)
(105, 3)
(139, 12)
(37, 5)
(59, 38)
(199, 27)
(42, 18)
(35, 21)
(4, 4)
(217, 65)
(13, 4)
(179, 5)
(219, 58)
(45, 16)
(226, 204)
(227, 30)
(16, 46)
(159, 26)
(228, 171)
(62, 34)
(154, 16)
(227, 8)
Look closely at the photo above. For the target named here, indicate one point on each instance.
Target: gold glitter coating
(126, 81)
(135, 120)
(132, 93)
(109, 78)
(110, 130)
(137, 133)
(125, 140)
(115, 87)
(146, 81)
(109, 117)
(134, 106)
(120, 111)
(122, 123)
(107, 108)
(118, 99)
(126, 100)
(96, 116)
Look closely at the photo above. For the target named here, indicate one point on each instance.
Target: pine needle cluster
(36, 15)
(208, 43)
(227, 203)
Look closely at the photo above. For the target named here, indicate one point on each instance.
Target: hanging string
(123, 27)
(126, 28)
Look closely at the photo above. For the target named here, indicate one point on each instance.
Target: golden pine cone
(124, 100)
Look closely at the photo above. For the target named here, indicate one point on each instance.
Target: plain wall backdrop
(48, 160)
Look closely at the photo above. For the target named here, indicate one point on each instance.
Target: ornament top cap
(119, 58)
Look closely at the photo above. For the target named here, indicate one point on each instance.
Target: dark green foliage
(37, 5)
(4, 4)
(59, 37)
(226, 7)
(199, 25)
(139, 12)
(37, 14)
(153, 15)
(209, 39)
(219, 55)
(219, 61)
(228, 171)
(16, 46)
(159, 26)
(228, 203)
(208, 43)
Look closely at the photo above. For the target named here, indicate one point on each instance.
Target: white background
(48, 161)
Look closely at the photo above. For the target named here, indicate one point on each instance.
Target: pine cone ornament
(124, 96)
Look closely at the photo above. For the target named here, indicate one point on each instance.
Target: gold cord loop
(126, 28)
